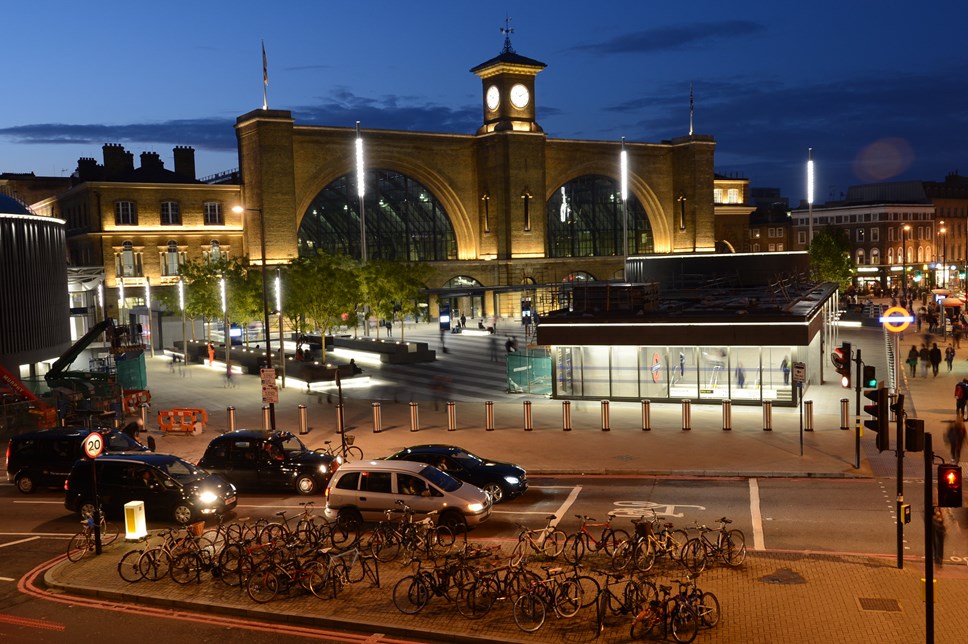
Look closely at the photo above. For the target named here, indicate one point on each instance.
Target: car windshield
(290, 444)
(182, 471)
(444, 481)
(468, 460)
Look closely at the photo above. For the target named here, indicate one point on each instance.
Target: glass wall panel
(684, 372)
(568, 368)
(654, 372)
(625, 373)
(595, 371)
(777, 373)
(714, 373)
(745, 380)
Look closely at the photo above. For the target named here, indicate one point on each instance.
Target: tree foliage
(830, 257)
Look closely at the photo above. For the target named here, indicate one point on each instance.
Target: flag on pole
(265, 66)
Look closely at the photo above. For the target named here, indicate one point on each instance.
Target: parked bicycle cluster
(606, 568)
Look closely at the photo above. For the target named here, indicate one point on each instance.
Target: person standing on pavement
(961, 398)
(955, 438)
(937, 536)
(924, 357)
(949, 357)
(912, 361)
(935, 356)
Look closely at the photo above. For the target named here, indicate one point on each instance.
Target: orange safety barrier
(133, 398)
(183, 420)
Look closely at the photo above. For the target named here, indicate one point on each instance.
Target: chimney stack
(116, 160)
(185, 162)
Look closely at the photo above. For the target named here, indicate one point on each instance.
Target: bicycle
(548, 541)
(390, 537)
(556, 591)
(265, 582)
(730, 546)
(705, 604)
(663, 615)
(645, 546)
(413, 592)
(346, 450)
(84, 542)
(583, 540)
(504, 582)
(633, 595)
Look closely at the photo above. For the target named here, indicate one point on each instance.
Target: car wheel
(183, 514)
(350, 518)
(25, 484)
(495, 491)
(305, 484)
(455, 521)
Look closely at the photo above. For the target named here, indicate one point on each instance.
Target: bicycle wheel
(128, 566)
(601, 609)
(411, 594)
(553, 544)
(622, 556)
(589, 589)
(644, 556)
(733, 548)
(517, 554)
(694, 555)
(230, 564)
(708, 610)
(613, 539)
(442, 541)
(646, 624)
(519, 581)
(354, 571)
(477, 599)
(683, 622)
(529, 612)
(262, 586)
(313, 577)
(109, 533)
(79, 546)
(568, 598)
(154, 563)
(353, 453)
(385, 546)
(186, 568)
(674, 542)
(574, 548)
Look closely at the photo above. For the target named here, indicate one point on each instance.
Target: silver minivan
(365, 490)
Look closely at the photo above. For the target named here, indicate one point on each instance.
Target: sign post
(270, 392)
(799, 377)
(93, 446)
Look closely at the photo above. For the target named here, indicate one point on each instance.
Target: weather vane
(507, 31)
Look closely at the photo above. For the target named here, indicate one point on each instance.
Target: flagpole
(265, 78)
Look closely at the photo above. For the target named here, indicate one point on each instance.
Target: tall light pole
(265, 298)
(121, 320)
(282, 345)
(181, 305)
(151, 343)
(227, 332)
(904, 233)
(809, 196)
(624, 167)
(360, 192)
(944, 256)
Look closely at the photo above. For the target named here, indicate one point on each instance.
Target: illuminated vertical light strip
(225, 324)
(151, 344)
(809, 196)
(361, 190)
(282, 345)
(121, 320)
(624, 169)
(181, 293)
(100, 300)
(181, 305)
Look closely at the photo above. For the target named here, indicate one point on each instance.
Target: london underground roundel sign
(896, 319)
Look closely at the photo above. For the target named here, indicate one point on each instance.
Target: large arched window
(404, 221)
(585, 220)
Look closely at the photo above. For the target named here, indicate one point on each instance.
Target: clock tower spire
(508, 89)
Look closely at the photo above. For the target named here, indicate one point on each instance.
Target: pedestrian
(955, 438)
(924, 357)
(389, 328)
(211, 354)
(785, 368)
(937, 536)
(463, 321)
(493, 348)
(740, 375)
(956, 333)
(228, 375)
(961, 398)
(912, 360)
(934, 355)
(133, 429)
(949, 357)
(508, 345)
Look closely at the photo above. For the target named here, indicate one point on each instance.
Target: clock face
(520, 96)
(493, 97)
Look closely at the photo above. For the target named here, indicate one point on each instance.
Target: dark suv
(44, 458)
(171, 488)
(259, 461)
(501, 481)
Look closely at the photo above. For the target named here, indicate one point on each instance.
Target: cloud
(210, 133)
(673, 38)
(390, 112)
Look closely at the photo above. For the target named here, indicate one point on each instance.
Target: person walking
(949, 357)
(955, 438)
(934, 355)
(912, 361)
(924, 357)
(493, 346)
(937, 535)
(961, 398)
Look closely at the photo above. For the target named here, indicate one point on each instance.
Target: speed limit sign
(93, 445)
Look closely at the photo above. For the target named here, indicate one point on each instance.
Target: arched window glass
(127, 259)
(404, 221)
(215, 251)
(171, 259)
(585, 220)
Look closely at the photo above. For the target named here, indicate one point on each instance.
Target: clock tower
(508, 90)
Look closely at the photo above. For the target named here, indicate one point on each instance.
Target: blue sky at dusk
(876, 88)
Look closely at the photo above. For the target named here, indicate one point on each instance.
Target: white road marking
(755, 515)
(13, 543)
(563, 510)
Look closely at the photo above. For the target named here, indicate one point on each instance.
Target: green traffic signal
(870, 378)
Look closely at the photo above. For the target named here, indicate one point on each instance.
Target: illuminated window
(125, 213)
(717, 195)
(172, 259)
(213, 213)
(170, 213)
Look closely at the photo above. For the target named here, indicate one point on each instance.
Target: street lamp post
(360, 192)
(624, 167)
(265, 298)
(181, 305)
(227, 331)
(282, 345)
(944, 256)
(904, 234)
(151, 342)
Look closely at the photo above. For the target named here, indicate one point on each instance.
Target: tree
(203, 298)
(320, 291)
(392, 289)
(830, 257)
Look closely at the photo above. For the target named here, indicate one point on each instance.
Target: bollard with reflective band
(451, 416)
(414, 416)
(727, 415)
(377, 418)
(144, 417)
(339, 418)
(303, 420)
(646, 415)
(489, 415)
(767, 415)
(844, 412)
(266, 422)
(808, 415)
(566, 415)
(230, 421)
(686, 415)
(605, 424)
(527, 416)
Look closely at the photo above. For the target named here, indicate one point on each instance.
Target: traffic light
(949, 486)
(913, 435)
(880, 423)
(841, 359)
(870, 377)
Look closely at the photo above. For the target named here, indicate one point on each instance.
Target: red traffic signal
(841, 360)
(880, 422)
(949, 486)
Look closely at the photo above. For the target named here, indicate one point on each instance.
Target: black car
(501, 481)
(257, 460)
(44, 458)
(171, 488)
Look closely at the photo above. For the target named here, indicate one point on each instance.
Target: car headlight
(323, 469)
(512, 480)
(208, 497)
(475, 507)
